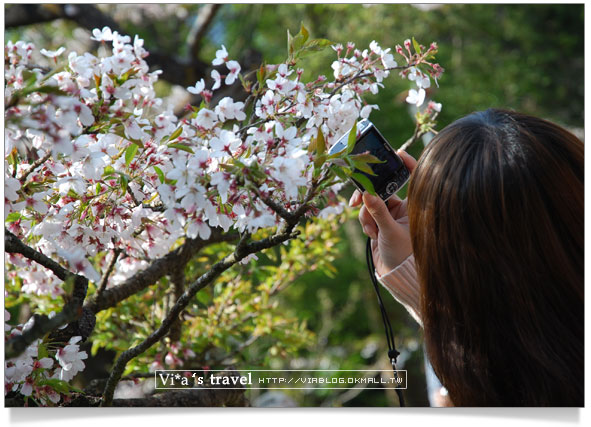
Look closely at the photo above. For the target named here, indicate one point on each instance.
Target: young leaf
(182, 147)
(319, 160)
(320, 143)
(312, 145)
(363, 166)
(416, 45)
(130, 153)
(14, 216)
(124, 180)
(304, 32)
(289, 43)
(365, 182)
(367, 158)
(315, 45)
(338, 171)
(176, 133)
(352, 138)
(160, 174)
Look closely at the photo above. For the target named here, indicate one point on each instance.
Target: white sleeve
(403, 284)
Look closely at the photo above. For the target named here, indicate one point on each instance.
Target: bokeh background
(523, 57)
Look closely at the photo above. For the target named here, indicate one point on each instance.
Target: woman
(487, 254)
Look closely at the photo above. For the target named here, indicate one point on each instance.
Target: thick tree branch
(178, 287)
(159, 268)
(42, 324)
(197, 397)
(243, 249)
(13, 244)
(206, 14)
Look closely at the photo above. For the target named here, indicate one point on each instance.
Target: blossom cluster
(119, 172)
(35, 375)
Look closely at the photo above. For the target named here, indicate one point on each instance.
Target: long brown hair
(496, 218)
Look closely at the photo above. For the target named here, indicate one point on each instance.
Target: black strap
(392, 352)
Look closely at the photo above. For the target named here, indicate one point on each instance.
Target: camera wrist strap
(392, 352)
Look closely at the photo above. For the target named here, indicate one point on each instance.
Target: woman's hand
(386, 225)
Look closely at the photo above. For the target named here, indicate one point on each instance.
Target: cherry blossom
(70, 359)
(221, 56)
(53, 53)
(227, 109)
(198, 88)
(215, 75)
(234, 70)
(103, 35)
(416, 97)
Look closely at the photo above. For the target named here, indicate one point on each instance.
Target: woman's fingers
(408, 160)
(367, 223)
(355, 199)
(379, 211)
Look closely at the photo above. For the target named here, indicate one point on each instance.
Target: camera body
(390, 175)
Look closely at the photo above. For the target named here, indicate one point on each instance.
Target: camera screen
(375, 144)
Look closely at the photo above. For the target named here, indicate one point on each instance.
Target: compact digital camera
(391, 175)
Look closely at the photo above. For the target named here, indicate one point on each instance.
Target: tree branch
(41, 323)
(206, 14)
(197, 397)
(105, 279)
(13, 244)
(158, 269)
(242, 250)
(177, 278)
(34, 166)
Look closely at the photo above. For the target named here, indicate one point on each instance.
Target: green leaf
(297, 43)
(289, 43)
(42, 351)
(320, 143)
(312, 145)
(367, 158)
(339, 171)
(108, 171)
(182, 147)
(319, 160)
(363, 166)
(176, 133)
(365, 182)
(130, 153)
(160, 174)
(352, 138)
(14, 216)
(416, 45)
(315, 45)
(124, 180)
(60, 386)
(304, 32)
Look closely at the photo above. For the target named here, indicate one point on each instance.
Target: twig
(105, 279)
(418, 133)
(34, 166)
